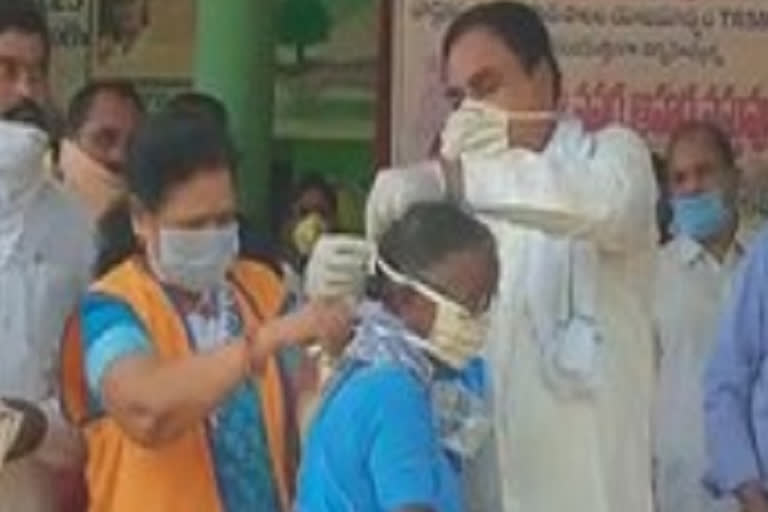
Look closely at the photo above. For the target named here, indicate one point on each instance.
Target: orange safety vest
(123, 476)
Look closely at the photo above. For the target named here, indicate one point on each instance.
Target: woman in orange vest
(176, 366)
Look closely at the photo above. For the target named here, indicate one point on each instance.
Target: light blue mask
(700, 217)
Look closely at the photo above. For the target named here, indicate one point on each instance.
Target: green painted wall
(337, 159)
(235, 61)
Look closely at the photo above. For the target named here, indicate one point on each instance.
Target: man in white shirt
(693, 271)
(44, 263)
(570, 351)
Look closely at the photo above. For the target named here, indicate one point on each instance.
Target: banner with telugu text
(650, 64)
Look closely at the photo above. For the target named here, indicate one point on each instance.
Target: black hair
(716, 135)
(518, 25)
(169, 149)
(663, 206)
(317, 182)
(25, 16)
(83, 100)
(115, 238)
(200, 103)
(428, 233)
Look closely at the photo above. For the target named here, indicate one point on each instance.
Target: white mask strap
(421, 288)
(509, 115)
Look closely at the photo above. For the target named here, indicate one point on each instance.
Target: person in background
(45, 255)
(753, 196)
(736, 387)
(400, 450)
(175, 371)
(313, 212)
(103, 116)
(314, 197)
(694, 269)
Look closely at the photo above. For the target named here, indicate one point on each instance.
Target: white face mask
(195, 259)
(22, 151)
(457, 336)
(478, 127)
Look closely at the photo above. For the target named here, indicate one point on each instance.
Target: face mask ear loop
(505, 116)
(419, 287)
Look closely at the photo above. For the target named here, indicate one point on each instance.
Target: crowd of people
(538, 318)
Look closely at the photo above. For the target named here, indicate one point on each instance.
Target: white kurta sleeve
(608, 197)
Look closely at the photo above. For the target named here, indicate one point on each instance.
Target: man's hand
(753, 498)
(29, 434)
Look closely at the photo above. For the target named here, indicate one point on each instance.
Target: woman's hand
(327, 322)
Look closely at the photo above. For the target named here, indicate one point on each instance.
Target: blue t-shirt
(373, 446)
(237, 434)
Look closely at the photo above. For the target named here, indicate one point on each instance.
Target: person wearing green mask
(694, 268)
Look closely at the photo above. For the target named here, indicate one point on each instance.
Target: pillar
(235, 62)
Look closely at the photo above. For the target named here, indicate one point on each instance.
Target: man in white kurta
(570, 353)
(45, 256)
(566, 438)
(568, 445)
(45, 253)
(694, 270)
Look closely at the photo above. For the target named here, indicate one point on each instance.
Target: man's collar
(688, 250)
(691, 251)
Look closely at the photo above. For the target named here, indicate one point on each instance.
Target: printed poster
(650, 64)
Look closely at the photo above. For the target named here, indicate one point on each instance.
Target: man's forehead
(696, 146)
(108, 104)
(477, 51)
(27, 47)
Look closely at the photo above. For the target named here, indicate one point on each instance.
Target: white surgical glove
(338, 267)
(396, 190)
(475, 127)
